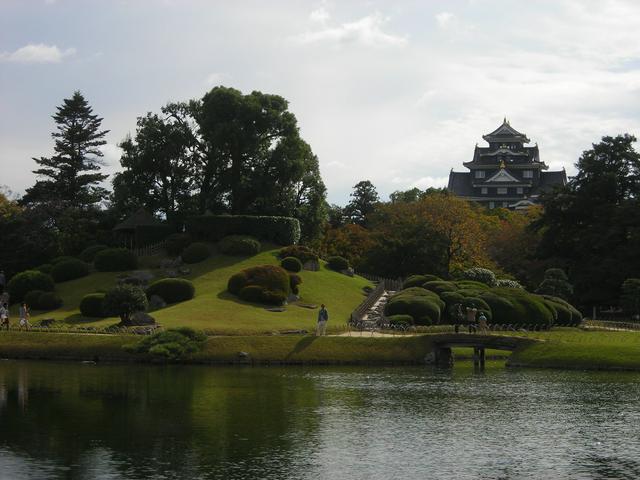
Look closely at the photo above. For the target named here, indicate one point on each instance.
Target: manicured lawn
(216, 311)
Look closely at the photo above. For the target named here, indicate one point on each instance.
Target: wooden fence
(383, 285)
(148, 250)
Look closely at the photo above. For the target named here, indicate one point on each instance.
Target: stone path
(372, 319)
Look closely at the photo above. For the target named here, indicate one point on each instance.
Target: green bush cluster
(24, 282)
(63, 258)
(115, 260)
(423, 306)
(419, 280)
(175, 243)
(69, 270)
(478, 274)
(172, 344)
(302, 253)
(294, 283)
(261, 284)
(124, 300)
(239, 245)
(280, 230)
(338, 263)
(45, 301)
(291, 264)
(89, 253)
(92, 305)
(45, 268)
(172, 290)
(196, 253)
(400, 320)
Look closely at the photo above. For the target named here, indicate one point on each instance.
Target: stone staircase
(374, 317)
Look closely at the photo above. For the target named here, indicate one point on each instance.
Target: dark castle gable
(507, 173)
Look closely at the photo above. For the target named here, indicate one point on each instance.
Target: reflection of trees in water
(141, 420)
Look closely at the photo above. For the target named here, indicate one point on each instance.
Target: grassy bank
(571, 348)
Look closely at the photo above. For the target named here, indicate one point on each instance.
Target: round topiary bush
(89, 253)
(239, 245)
(196, 253)
(115, 260)
(338, 263)
(424, 306)
(62, 258)
(124, 300)
(92, 305)
(400, 320)
(32, 298)
(22, 283)
(44, 268)
(45, 301)
(419, 280)
(291, 264)
(172, 290)
(175, 243)
(302, 253)
(69, 270)
(270, 284)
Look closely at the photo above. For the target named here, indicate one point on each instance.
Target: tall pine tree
(71, 177)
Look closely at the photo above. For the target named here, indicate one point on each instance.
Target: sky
(396, 92)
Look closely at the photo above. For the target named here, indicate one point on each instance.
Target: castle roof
(505, 133)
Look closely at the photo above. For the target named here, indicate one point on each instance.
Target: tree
(125, 300)
(593, 223)
(335, 215)
(349, 241)
(630, 297)
(363, 202)
(555, 283)
(71, 177)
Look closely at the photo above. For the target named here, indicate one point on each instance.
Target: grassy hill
(215, 310)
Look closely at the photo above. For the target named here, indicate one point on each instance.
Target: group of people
(23, 312)
(470, 314)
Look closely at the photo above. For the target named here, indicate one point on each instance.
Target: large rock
(139, 319)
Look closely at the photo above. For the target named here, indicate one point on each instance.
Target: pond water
(82, 421)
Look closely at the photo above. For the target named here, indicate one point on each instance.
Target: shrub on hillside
(424, 306)
(175, 243)
(69, 270)
(172, 344)
(239, 245)
(565, 314)
(439, 286)
(302, 253)
(89, 253)
(419, 280)
(338, 263)
(92, 305)
(261, 284)
(294, 283)
(517, 307)
(44, 268)
(291, 264)
(63, 258)
(115, 260)
(24, 282)
(196, 253)
(478, 274)
(280, 230)
(172, 290)
(45, 301)
(400, 320)
(124, 300)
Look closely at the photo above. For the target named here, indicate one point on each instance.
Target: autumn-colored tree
(349, 241)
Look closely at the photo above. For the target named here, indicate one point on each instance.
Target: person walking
(24, 316)
(482, 323)
(323, 318)
(4, 316)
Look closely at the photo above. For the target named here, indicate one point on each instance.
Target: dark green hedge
(22, 283)
(424, 306)
(89, 253)
(172, 290)
(261, 284)
(239, 245)
(291, 264)
(175, 243)
(196, 253)
(419, 280)
(45, 301)
(280, 230)
(69, 270)
(92, 305)
(115, 260)
(337, 263)
(301, 252)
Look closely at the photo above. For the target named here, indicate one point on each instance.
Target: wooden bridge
(444, 342)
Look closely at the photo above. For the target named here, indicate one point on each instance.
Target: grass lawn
(581, 349)
(216, 311)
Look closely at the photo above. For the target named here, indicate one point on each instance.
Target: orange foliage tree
(349, 241)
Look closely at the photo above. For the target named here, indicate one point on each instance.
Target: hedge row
(280, 230)
(239, 245)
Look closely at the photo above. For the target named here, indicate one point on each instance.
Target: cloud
(215, 78)
(319, 15)
(37, 53)
(444, 19)
(367, 31)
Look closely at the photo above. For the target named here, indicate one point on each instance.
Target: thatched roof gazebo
(141, 229)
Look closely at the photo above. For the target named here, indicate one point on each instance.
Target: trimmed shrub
(196, 253)
(69, 270)
(507, 283)
(565, 314)
(89, 253)
(175, 243)
(24, 282)
(400, 320)
(478, 274)
(280, 230)
(63, 258)
(419, 280)
(302, 253)
(123, 300)
(44, 268)
(270, 284)
(518, 307)
(294, 283)
(439, 286)
(92, 305)
(32, 298)
(172, 344)
(172, 290)
(424, 306)
(115, 260)
(337, 263)
(471, 285)
(239, 245)
(45, 301)
(291, 264)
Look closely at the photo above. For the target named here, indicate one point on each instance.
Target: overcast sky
(397, 92)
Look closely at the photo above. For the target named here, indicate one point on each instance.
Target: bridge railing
(365, 306)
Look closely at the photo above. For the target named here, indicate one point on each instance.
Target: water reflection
(135, 422)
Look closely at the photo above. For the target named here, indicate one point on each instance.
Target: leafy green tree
(555, 283)
(364, 199)
(593, 224)
(124, 300)
(335, 214)
(630, 297)
(71, 177)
